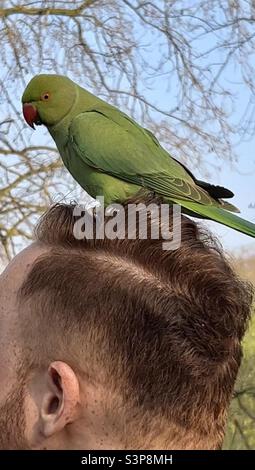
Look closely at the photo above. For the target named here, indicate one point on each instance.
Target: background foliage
(241, 426)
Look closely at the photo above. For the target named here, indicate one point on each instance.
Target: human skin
(47, 409)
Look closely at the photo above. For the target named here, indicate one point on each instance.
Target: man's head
(117, 343)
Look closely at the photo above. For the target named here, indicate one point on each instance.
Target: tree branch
(69, 12)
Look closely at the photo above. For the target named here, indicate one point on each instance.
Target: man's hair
(159, 330)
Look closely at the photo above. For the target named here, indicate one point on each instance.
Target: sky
(239, 177)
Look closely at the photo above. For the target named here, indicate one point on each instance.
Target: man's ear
(60, 400)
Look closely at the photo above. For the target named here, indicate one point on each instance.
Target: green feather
(221, 216)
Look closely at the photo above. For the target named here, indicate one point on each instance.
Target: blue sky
(239, 177)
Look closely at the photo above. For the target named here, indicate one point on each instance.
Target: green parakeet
(111, 155)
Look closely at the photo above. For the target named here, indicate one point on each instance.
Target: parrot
(111, 155)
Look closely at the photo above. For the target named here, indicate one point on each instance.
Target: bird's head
(47, 99)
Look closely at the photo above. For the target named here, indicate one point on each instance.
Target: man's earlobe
(60, 401)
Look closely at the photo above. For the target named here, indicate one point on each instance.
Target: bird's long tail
(219, 215)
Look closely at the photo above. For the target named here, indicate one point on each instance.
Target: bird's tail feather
(219, 215)
(229, 207)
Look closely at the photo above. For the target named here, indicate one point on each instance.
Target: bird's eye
(45, 96)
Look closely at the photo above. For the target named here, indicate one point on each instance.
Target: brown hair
(161, 329)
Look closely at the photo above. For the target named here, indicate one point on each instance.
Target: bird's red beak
(30, 114)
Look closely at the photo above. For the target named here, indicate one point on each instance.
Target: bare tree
(129, 52)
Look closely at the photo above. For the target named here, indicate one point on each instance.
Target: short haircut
(161, 330)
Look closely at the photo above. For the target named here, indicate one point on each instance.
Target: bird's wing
(215, 191)
(112, 143)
